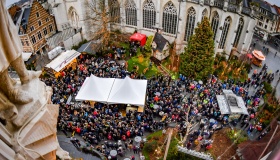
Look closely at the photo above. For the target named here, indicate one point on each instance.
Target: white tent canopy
(95, 89)
(128, 91)
(26, 56)
(113, 91)
(63, 59)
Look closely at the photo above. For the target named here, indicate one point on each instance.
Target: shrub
(267, 87)
(150, 146)
(148, 45)
(237, 136)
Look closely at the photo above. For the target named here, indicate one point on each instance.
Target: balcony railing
(219, 3)
(207, 2)
(246, 11)
(232, 7)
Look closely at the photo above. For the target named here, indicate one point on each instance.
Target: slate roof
(25, 18)
(160, 41)
(265, 5)
(245, 3)
(17, 15)
(87, 47)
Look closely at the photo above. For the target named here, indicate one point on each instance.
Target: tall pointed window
(204, 14)
(149, 14)
(215, 24)
(169, 21)
(130, 13)
(115, 11)
(190, 24)
(238, 33)
(224, 33)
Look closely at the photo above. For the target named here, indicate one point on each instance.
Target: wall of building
(75, 40)
(46, 21)
(82, 9)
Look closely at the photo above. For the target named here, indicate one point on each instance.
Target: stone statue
(11, 55)
(30, 129)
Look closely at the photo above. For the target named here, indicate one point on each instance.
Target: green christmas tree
(197, 60)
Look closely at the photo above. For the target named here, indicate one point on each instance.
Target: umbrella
(192, 86)
(157, 94)
(137, 139)
(200, 82)
(249, 55)
(155, 106)
(212, 120)
(113, 153)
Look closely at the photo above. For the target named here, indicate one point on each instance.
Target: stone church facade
(232, 22)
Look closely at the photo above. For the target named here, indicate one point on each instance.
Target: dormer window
(31, 28)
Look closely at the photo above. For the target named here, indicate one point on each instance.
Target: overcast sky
(277, 2)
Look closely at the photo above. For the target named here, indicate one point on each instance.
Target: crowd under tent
(126, 91)
(231, 105)
(64, 60)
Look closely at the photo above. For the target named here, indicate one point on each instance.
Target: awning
(259, 55)
(139, 37)
(63, 60)
(26, 56)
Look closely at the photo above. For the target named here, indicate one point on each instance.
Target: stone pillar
(181, 27)
(211, 2)
(201, 2)
(158, 14)
(122, 14)
(225, 5)
(239, 9)
(139, 14)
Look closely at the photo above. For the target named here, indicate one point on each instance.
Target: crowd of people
(105, 127)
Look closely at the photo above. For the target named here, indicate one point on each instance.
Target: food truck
(257, 58)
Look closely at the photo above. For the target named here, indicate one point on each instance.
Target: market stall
(63, 61)
(139, 37)
(257, 58)
(231, 106)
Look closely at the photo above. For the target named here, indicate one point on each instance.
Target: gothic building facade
(232, 21)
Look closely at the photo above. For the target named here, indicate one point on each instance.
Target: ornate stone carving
(25, 104)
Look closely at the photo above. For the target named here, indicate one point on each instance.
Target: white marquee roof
(128, 91)
(26, 56)
(113, 91)
(95, 89)
(62, 60)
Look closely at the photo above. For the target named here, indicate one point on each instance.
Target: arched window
(169, 21)
(115, 11)
(190, 24)
(238, 33)
(204, 14)
(149, 14)
(224, 33)
(73, 17)
(215, 24)
(130, 13)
